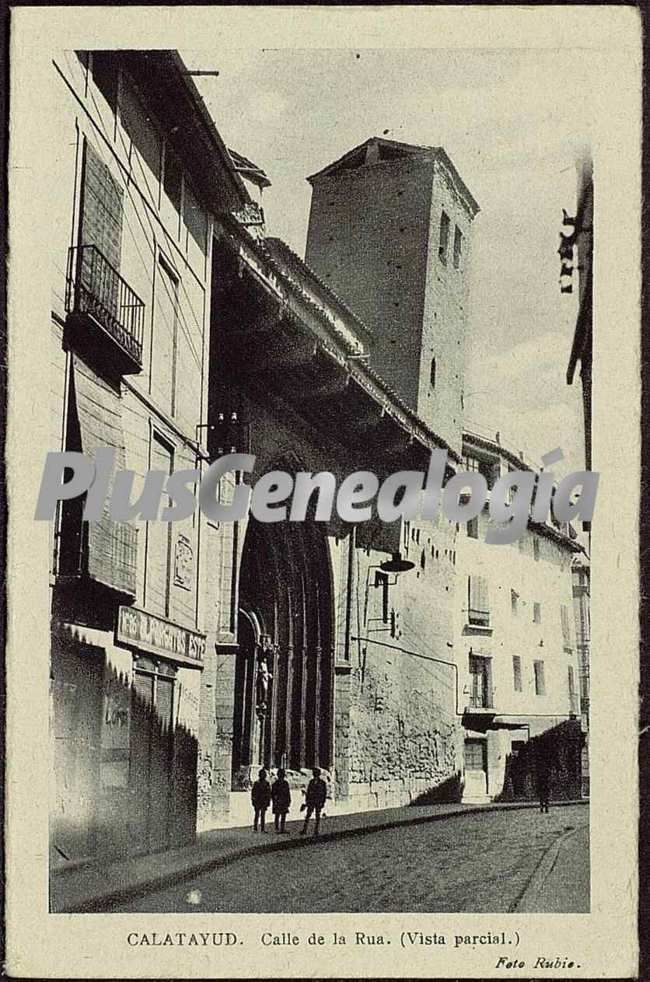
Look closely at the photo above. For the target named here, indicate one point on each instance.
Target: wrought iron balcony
(106, 315)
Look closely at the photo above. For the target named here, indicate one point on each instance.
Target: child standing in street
(281, 798)
(261, 799)
(314, 800)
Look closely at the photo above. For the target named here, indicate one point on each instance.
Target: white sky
(512, 121)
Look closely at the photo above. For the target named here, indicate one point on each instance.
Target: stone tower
(389, 234)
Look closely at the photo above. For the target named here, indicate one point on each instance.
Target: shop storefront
(124, 716)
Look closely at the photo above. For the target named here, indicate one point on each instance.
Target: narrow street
(472, 864)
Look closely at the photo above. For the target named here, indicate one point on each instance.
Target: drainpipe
(352, 545)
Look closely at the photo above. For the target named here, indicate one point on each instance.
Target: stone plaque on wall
(183, 563)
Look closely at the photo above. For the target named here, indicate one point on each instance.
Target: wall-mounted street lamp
(396, 564)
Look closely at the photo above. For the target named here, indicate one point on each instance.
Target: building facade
(139, 172)
(518, 661)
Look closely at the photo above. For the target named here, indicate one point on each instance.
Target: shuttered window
(165, 338)
(104, 550)
(573, 702)
(540, 683)
(478, 601)
(102, 208)
(566, 629)
(158, 570)
(516, 673)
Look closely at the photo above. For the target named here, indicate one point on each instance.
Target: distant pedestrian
(261, 799)
(543, 786)
(281, 798)
(314, 801)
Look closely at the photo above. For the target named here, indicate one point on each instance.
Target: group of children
(278, 794)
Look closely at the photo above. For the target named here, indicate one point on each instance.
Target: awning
(83, 634)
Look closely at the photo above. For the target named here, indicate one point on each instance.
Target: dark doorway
(283, 679)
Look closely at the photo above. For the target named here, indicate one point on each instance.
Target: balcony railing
(96, 290)
(478, 618)
(480, 700)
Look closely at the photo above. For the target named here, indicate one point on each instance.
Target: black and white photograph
(322, 495)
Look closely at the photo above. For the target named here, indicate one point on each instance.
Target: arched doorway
(284, 669)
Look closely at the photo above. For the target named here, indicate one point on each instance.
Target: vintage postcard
(323, 456)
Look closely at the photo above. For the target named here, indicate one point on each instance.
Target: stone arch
(286, 619)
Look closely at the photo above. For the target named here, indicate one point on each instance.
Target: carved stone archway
(284, 670)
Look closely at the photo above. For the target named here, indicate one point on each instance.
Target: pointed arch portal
(285, 618)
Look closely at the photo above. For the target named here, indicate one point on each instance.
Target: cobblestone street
(474, 863)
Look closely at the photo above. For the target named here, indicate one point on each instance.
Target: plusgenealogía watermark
(278, 496)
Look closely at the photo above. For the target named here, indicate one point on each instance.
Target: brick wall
(373, 237)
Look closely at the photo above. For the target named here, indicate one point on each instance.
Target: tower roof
(393, 150)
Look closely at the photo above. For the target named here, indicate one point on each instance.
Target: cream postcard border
(603, 943)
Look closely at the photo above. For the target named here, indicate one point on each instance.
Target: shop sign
(159, 637)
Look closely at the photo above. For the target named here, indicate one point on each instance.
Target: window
(573, 702)
(514, 601)
(566, 628)
(480, 676)
(458, 247)
(432, 374)
(489, 469)
(194, 219)
(478, 612)
(173, 179)
(536, 549)
(444, 237)
(145, 139)
(516, 673)
(165, 337)
(540, 685)
(159, 538)
(381, 581)
(472, 528)
(102, 213)
(537, 613)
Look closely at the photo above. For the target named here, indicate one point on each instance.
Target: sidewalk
(91, 888)
(561, 882)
